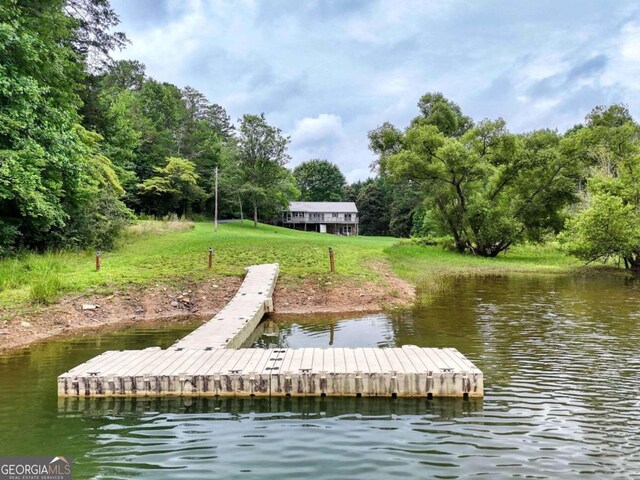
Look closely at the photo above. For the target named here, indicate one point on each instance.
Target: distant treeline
(87, 143)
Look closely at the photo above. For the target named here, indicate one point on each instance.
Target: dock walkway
(235, 322)
(209, 362)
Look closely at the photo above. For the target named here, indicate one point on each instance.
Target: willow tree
(485, 187)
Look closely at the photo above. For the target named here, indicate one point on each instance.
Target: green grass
(150, 255)
(418, 264)
(167, 253)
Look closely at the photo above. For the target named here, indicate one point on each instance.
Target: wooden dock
(404, 372)
(208, 362)
(239, 318)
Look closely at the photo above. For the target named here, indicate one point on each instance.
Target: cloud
(361, 62)
(314, 130)
(623, 70)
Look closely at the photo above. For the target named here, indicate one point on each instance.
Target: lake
(560, 356)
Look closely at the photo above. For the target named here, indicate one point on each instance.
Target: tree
(607, 225)
(320, 181)
(372, 201)
(39, 147)
(174, 188)
(488, 189)
(262, 155)
(199, 138)
(444, 114)
(607, 229)
(96, 212)
(94, 38)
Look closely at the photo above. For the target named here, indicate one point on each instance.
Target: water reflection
(299, 407)
(562, 383)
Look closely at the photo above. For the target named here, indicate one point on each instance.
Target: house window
(317, 216)
(334, 215)
(347, 216)
(298, 215)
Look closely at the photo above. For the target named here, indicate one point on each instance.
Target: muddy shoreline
(78, 314)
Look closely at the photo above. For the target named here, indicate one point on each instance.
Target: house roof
(323, 207)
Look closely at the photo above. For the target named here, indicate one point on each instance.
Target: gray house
(340, 218)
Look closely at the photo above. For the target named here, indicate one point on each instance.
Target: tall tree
(39, 147)
(488, 188)
(442, 113)
(320, 181)
(93, 36)
(174, 188)
(262, 153)
(372, 201)
(608, 223)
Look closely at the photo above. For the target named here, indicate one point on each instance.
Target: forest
(88, 144)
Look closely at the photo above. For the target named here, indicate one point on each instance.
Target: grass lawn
(154, 252)
(157, 252)
(418, 263)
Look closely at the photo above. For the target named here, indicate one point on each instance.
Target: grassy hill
(157, 252)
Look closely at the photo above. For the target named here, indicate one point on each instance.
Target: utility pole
(215, 213)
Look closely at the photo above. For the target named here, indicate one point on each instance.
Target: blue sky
(327, 72)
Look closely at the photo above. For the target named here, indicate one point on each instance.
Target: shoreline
(202, 299)
(80, 314)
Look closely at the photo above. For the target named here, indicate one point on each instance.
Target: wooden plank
(306, 362)
(340, 363)
(204, 363)
(143, 367)
(383, 360)
(235, 322)
(190, 359)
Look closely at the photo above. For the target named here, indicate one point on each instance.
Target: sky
(327, 72)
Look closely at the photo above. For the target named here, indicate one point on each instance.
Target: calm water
(561, 358)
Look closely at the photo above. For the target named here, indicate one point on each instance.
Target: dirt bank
(83, 313)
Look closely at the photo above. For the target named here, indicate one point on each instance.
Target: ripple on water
(562, 375)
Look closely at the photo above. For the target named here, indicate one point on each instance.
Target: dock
(239, 318)
(209, 363)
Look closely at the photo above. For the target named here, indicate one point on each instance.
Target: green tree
(262, 156)
(372, 201)
(39, 148)
(487, 189)
(174, 188)
(607, 225)
(96, 210)
(164, 111)
(444, 114)
(93, 36)
(320, 181)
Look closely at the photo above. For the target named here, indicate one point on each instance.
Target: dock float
(209, 363)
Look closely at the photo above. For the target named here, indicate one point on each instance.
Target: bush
(46, 289)
(8, 235)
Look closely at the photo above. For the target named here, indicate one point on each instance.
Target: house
(340, 218)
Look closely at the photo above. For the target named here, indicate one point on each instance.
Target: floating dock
(208, 363)
(404, 372)
(239, 318)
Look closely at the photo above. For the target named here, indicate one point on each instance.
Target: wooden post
(332, 261)
(97, 260)
(210, 257)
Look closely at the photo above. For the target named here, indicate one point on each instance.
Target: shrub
(46, 289)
